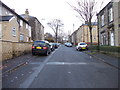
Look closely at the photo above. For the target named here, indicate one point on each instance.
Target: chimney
(27, 14)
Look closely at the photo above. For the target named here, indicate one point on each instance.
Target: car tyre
(47, 53)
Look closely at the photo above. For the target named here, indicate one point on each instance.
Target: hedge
(106, 48)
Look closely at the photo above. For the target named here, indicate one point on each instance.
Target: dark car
(41, 47)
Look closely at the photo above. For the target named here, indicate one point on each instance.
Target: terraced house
(14, 30)
(82, 34)
(37, 29)
(14, 27)
(109, 24)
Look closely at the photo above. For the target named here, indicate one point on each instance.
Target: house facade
(37, 29)
(82, 34)
(15, 34)
(73, 37)
(14, 27)
(109, 24)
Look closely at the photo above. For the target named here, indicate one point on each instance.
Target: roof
(31, 17)
(5, 6)
(93, 23)
(5, 18)
(109, 4)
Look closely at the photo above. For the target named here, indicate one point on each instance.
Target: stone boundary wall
(12, 49)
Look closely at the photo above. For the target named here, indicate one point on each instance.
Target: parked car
(41, 47)
(56, 45)
(68, 44)
(52, 46)
(82, 46)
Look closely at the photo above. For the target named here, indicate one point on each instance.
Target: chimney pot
(27, 12)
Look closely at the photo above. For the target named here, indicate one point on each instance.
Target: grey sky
(48, 9)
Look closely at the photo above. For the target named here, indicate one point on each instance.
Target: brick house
(37, 29)
(109, 24)
(14, 27)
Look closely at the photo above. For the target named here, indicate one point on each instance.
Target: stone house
(73, 37)
(14, 27)
(109, 24)
(15, 34)
(37, 29)
(82, 34)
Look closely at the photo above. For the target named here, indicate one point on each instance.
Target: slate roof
(13, 12)
(5, 18)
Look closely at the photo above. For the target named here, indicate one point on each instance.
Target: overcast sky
(47, 10)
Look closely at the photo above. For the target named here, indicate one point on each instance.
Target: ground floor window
(103, 39)
(112, 41)
(21, 37)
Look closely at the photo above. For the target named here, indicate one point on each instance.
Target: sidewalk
(11, 64)
(113, 61)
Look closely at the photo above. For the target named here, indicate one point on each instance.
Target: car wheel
(47, 53)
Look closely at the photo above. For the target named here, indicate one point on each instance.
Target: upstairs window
(27, 26)
(110, 14)
(102, 20)
(0, 11)
(13, 31)
(21, 23)
(0, 31)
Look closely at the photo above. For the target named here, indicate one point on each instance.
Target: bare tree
(87, 10)
(55, 24)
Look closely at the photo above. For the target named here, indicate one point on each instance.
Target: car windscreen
(39, 43)
(82, 43)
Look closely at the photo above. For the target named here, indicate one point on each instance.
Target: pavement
(106, 58)
(11, 64)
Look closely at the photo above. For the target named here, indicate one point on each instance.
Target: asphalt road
(63, 68)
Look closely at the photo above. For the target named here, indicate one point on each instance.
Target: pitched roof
(5, 18)
(5, 6)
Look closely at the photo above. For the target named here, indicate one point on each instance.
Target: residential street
(63, 68)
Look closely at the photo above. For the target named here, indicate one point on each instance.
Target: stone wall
(13, 49)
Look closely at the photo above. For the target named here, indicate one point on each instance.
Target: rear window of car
(39, 43)
(82, 43)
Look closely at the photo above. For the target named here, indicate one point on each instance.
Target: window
(27, 26)
(21, 23)
(102, 20)
(0, 11)
(13, 31)
(21, 37)
(110, 14)
(0, 31)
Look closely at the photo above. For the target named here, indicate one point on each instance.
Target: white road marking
(30, 79)
(69, 72)
(66, 63)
